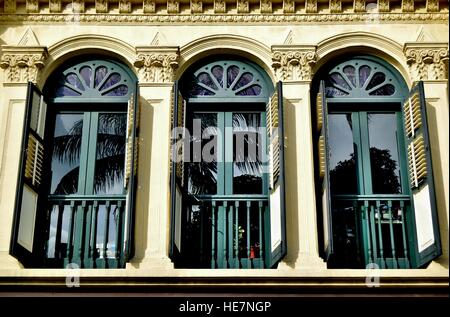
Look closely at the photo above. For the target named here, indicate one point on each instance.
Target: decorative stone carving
(311, 6)
(335, 6)
(243, 6)
(22, 64)
(32, 6)
(266, 6)
(9, 6)
(288, 6)
(124, 6)
(383, 5)
(408, 5)
(220, 6)
(292, 63)
(359, 5)
(78, 6)
(156, 65)
(101, 6)
(427, 61)
(54, 6)
(173, 6)
(432, 5)
(149, 6)
(196, 6)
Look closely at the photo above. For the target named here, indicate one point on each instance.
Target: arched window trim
(357, 90)
(225, 90)
(86, 86)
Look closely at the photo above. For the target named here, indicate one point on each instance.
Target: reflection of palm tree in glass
(110, 154)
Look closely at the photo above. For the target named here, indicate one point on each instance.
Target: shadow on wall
(438, 183)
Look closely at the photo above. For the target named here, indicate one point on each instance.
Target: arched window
(374, 167)
(227, 178)
(76, 186)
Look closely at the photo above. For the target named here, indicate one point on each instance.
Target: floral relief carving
(22, 67)
(288, 6)
(220, 6)
(243, 6)
(149, 6)
(294, 65)
(408, 5)
(311, 6)
(9, 6)
(173, 6)
(359, 5)
(335, 6)
(427, 63)
(196, 6)
(266, 6)
(78, 6)
(54, 6)
(156, 67)
(432, 5)
(101, 6)
(32, 6)
(383, 5)
(124, 6)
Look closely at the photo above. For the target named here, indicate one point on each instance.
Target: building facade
(191, 144)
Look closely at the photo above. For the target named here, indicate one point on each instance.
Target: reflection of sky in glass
(63, 126)
(340, 138)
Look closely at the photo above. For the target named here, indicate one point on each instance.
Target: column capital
(157, 64)
(22, 63)
(293, 62)
(427, 61)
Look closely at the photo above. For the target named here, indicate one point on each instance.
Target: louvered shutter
(423, 199)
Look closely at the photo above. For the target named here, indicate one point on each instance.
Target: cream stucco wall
(194, 42)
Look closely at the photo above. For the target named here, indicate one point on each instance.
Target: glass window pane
(342, 157)
(384, 153)
(66, 154)
(202, 170)
(247, 153)
(110, 157)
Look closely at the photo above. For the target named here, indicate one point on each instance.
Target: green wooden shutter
(275, 132)
(131, 161)
(29, 184)
(423, 200)
(322, 127)
(176, 170)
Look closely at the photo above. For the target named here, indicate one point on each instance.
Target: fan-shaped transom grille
(361, 78)
(93, 79)
(227, 79)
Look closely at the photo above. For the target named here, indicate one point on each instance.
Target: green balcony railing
(86, 230)
(371, 229)
(227, 231)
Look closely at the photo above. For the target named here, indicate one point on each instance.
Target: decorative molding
(196, 6)
(407, 5)
(383, 6)
(288, 19)
(101, 6)
(311, 6)
(266, 6)
(432, 5)
(173, 6)
(427, 61)
(22, 64)
(78, 6)
(293, 62)
(359, 5)
(220, 6)
(243, 6)
(9, 6)
(149, 6)
(55, 6)
(289, 6)
(32, 6)
(28, 39)
(156, 64)
(335, 6)
(124, 6)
